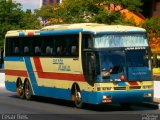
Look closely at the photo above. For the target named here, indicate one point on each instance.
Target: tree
(152, 26)
(13, 18)
(9, 16)
(128, 4)
(29, 21)
(74, 11)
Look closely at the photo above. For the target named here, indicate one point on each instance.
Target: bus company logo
(61, 65)
(139, 73)
(58, 61)
(150, 117)
(135, 48)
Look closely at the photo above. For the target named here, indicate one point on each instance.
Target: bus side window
(37, 50)
(48, 50)
(16, 50)
(26, 50)
(60, 50)
(74, 50)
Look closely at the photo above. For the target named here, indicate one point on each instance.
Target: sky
(29, 4)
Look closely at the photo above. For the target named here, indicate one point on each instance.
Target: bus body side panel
(58, 84)
(10, 86)
(14, 69)
(44, 91)
(49, 77)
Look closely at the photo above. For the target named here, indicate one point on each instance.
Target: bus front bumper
(134, 96)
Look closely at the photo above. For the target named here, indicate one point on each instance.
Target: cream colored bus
(86, 63)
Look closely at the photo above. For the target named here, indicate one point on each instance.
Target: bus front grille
(119, 88)
(135, 87)
(127, 88)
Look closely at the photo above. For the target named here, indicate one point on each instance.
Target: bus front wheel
(28, 90)
(20, 89)
(77, 98)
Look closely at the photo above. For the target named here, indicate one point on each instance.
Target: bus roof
(76, 28)
(15, 33)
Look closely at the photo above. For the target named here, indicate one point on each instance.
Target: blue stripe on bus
(14, 59)
(121, 84)
(31, 74)
(10, 86)
(21, 34)
(58, 32)
(44, 91)
(58, 93)
(118, 32)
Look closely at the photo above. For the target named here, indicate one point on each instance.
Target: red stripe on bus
(30, 34)
(59, 76)
(16, 73)
(133, 83)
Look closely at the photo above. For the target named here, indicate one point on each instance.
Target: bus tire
(28, 90)
(20, 88)
(77, 97)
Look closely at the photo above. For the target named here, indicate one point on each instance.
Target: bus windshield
(133, 64)
(120, 40)
(136, 58)
(112, 60)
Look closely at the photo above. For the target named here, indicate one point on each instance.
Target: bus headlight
(148, 95)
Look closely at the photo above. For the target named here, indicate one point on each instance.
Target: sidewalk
(2, 80)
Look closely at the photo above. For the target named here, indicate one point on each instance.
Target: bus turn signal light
(122, 78)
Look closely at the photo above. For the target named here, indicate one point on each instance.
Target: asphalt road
(40, 108)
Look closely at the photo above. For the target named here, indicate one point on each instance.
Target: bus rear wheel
(20, 89)
(28, 90)
(77, 98)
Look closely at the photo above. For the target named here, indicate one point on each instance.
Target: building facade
(151, 8)
(47, 2)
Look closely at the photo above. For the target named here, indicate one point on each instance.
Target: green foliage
(107, 17)
(13, 18)
(132, 5)
(29, 21)
(75, 11)
(152, 25)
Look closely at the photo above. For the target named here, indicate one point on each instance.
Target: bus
(84, 63)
